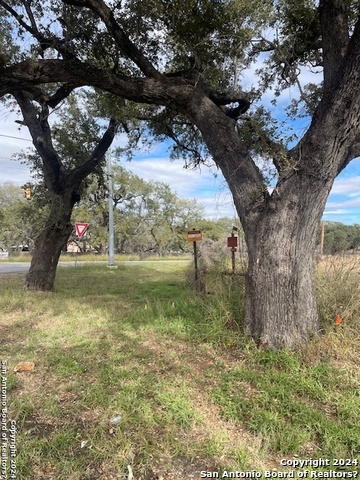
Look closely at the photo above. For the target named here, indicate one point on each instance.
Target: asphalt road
(14, 267)
(18, 267)
(23, 267)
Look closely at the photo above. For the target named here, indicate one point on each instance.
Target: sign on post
(81, 228)
(194, 236)
(232, 241)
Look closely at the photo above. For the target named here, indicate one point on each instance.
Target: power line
(16, 138)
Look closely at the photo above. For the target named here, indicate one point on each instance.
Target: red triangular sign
(81, 228)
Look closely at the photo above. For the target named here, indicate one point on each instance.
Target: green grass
(297, 408)
(191, 391)
(93, 257)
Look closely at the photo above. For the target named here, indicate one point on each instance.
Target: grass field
(132, 369)
(92, 257)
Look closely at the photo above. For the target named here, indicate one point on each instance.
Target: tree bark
(281, 310)
(49, 244)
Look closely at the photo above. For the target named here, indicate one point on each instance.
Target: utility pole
(111, 213)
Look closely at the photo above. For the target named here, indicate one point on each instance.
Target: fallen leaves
(24, 367)
(338, 320)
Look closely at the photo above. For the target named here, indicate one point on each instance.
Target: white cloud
(347, 186)
(219, 205)
(182, 180)
(353, 203)
(339, 211)
(206, 185)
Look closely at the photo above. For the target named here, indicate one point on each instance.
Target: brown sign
(194, 236)
(232, 241)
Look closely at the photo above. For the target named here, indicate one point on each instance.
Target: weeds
(338, 289)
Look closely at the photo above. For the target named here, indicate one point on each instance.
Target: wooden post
(322, 238)
(232, 242)
(196, 267)
(195, 236)
(233, 250)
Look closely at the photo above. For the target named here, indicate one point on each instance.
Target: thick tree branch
(230, 154)
(335, 126)
(25, 75)
(163, 90)
(39, 129)
(354, 152)
(27, 4)
(96, 157)
(335, 37)
(56, 177)
(224, 98)
(19, 18)
(122, 40)
(62, 93)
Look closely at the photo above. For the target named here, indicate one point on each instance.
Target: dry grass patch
(338, 289)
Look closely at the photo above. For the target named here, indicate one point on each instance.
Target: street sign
(194, 236)
(81, 229)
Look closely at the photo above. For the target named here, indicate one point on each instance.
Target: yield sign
(81, 229)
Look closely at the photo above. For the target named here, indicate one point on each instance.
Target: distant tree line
(339, 238)
(149, 217)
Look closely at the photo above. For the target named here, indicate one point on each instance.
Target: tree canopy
(176, 56)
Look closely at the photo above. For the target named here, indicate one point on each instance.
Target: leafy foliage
(148, 216)
(21, 220)
(339, 237)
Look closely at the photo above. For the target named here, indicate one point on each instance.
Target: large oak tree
(63, 179)
(180, 57)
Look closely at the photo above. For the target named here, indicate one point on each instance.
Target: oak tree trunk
(281, 306)
(281, 309)
(49, 244)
